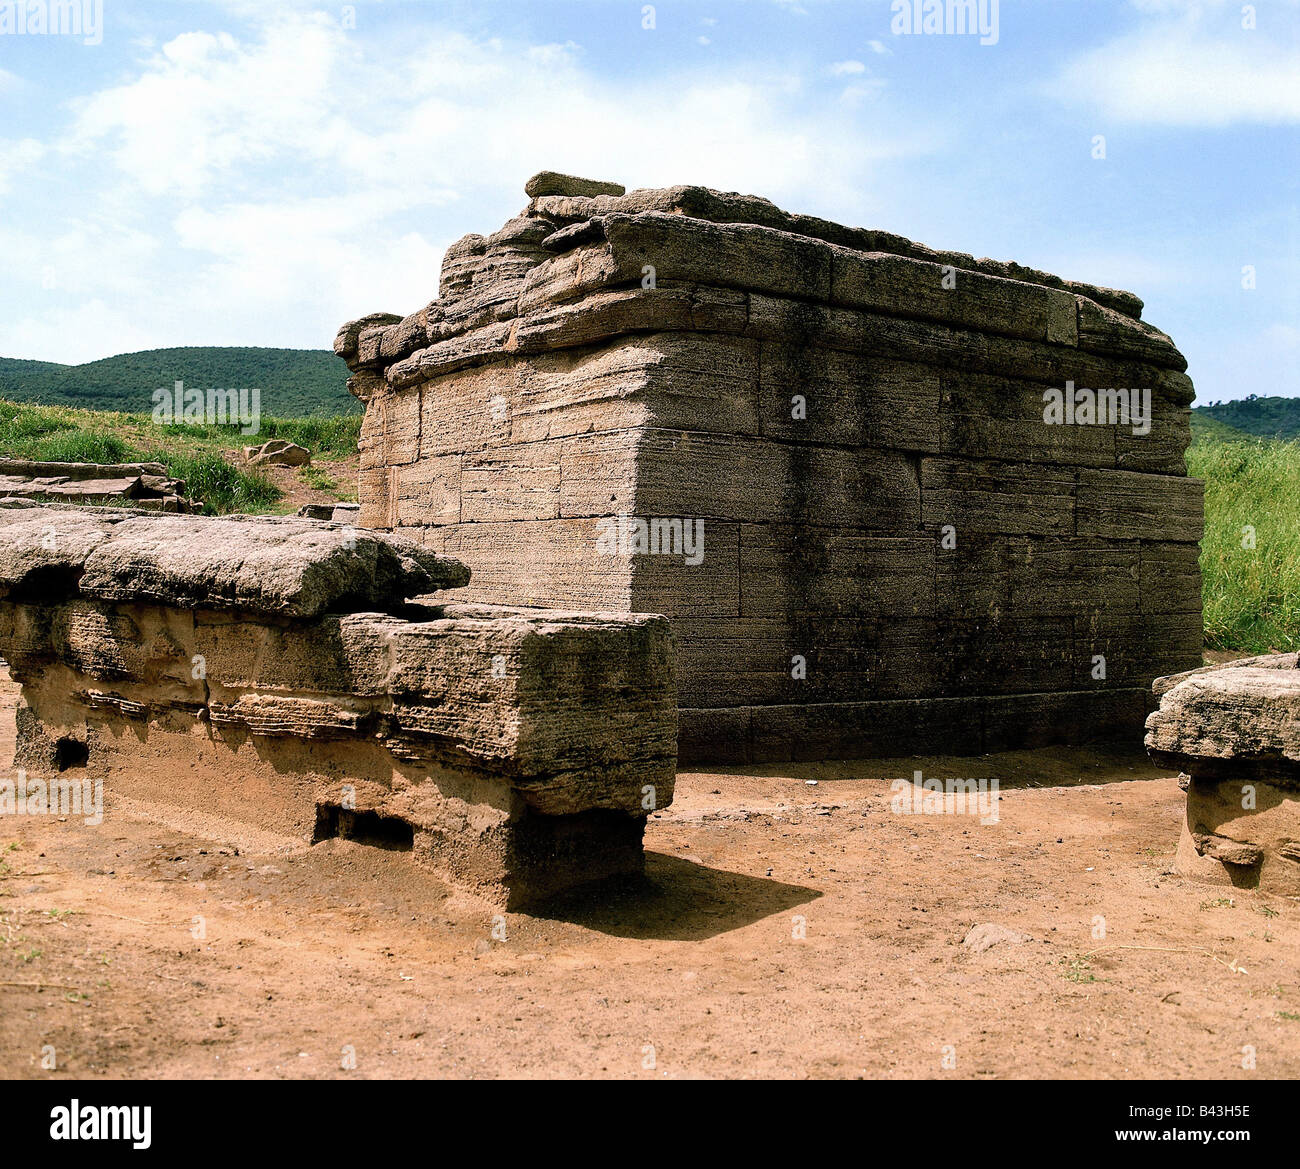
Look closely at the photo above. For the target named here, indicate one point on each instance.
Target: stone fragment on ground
(141, 485)
(270, 565)
(278, 453)
(988, 934)
(280, 671)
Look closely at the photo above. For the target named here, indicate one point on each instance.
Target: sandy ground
(785, 929)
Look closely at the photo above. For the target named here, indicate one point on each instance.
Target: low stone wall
(1235, 731)
(228, 665)
(138, 485)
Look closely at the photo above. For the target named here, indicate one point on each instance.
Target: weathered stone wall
(838, 406)
(220, 665)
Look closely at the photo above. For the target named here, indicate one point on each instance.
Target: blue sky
(234, 172)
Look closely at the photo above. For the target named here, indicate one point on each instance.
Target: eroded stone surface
(278, 452)
(549, 182)
(1235, 731)
(236, 665)
(891, 529)
(1239, 719)
(283, 565)
(520, 751)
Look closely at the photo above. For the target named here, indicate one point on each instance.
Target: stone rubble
(140, 485)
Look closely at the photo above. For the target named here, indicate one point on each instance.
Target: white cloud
(16, 157)
(1191, 65)
(846, 68)
(206, 104)
(81, 331)
(321, 249)
(859, 92)
(263, 190)
(878, 47)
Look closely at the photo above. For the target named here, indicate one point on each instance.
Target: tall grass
(1252, 494)
(322, 436)
(189, 452)
(81, 446)
(222, 487)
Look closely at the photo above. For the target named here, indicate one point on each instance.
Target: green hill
(1207, 428)
(1267, 417)
(294, 382)
(21, 368)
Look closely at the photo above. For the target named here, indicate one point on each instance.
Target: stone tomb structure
(275, 671)
(823, 452)
(1234, 731)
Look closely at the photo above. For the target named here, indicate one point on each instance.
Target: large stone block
(282, 566)
(809, 394)
(1235, 731)
(516, 751)
(901, 286)
(1130, 505)
(1013, 498)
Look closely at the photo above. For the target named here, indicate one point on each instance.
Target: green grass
(189, 452)
(318, 480)
(222, 487)
(80, 446)
(1252, 493)
(1077, 969)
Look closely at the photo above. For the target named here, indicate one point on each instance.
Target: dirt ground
(296, 482)
(785, 929)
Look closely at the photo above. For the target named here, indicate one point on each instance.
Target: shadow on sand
(676, 900)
